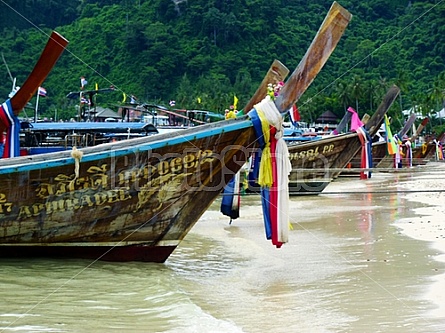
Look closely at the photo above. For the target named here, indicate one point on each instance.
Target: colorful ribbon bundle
(409, 154)
(398, 153)
(274, 170)
(439, 150)
(9, 120)
(231, 198)
(366, 160)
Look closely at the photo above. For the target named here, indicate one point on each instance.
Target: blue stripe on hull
(170, 141)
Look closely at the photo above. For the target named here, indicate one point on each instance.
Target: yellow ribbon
(424, 147)
(265, 177)
(231, 115)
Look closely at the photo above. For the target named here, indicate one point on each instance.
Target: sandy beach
(365, 256)
(429, 225)
(369, 252)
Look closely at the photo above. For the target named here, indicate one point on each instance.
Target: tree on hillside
(436, 95)
(343, 95)
(356, 90)
(403, 82)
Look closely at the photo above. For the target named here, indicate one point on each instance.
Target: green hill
(205, 50)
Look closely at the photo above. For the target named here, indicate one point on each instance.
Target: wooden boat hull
(320, 161)
(132, 200)
(144, 253)
(421, 153)
(308, 186)
(316, 163)
(380, 158)
(299, 186)
(136, 199)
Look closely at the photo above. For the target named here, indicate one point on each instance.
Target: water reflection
(346, 268)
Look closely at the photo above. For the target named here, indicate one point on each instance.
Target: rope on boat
(77, 155)
(350, 192)
(275, 167)
(327, 171)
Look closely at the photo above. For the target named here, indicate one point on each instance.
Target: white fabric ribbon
(284, 167)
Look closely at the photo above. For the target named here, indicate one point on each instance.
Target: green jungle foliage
(201, 53)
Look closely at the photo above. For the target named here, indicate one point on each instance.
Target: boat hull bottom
(144, 253)
(312, 188)
(298, 188)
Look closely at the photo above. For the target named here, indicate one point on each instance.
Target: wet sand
(364, 256)
(429, 225)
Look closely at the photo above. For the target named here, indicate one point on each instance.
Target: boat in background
(426, 151)
(159, 116)
(298, 132)
(380, 158)
(47, 137)
(136, 199)
(163, 117)
(382, 161)
(316, 162)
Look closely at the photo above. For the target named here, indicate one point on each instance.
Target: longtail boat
(328, 157)
(47, 137)
(408, 156)
(425, 152)
(316, 163)
(135, 200)
(437, 151)
(420, 152)
(380, 157)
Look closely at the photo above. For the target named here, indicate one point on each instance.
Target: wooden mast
(53, 49)
(316, 56)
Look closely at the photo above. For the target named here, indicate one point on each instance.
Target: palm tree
(342, 93)
(356, 90)
(441, 80)
(382, 86)
(435, 95)
(402, 81)
(372, 93)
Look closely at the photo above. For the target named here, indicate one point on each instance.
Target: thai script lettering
(101, 187)
(311, 154)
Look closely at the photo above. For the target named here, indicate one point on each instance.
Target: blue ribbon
(256, 121)
(227, 200)
(265, 195)
(13, 130)
(369, 149)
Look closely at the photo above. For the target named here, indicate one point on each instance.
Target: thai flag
(83, 100)
(294, 114)
(83, 82)
(42, 91)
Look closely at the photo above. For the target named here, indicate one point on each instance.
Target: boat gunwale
(121, 148)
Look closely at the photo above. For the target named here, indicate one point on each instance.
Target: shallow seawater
(346, 268)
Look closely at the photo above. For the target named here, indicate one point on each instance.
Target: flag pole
(37, 107)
